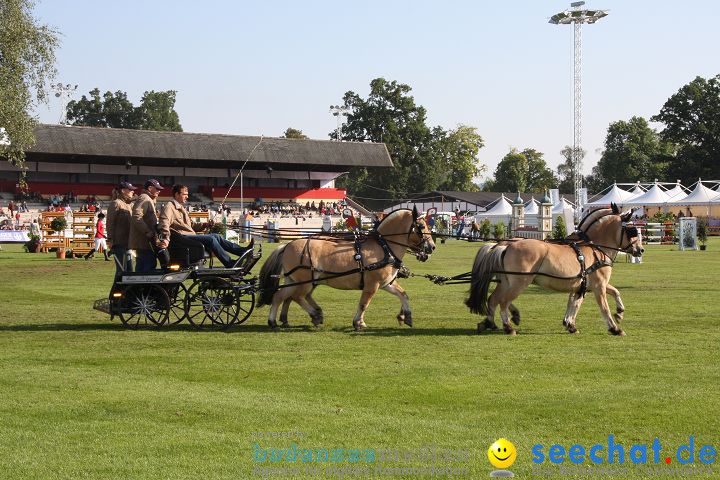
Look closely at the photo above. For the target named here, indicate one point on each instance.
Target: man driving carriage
(174, 225)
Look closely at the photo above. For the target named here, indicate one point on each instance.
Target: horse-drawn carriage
(217, 297)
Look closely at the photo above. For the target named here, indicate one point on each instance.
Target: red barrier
(218, 193)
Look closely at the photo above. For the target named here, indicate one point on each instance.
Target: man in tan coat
(118, 223)
(174, 218)
(143, 227)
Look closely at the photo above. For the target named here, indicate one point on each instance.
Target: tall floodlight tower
(577, 16)
(338, 111)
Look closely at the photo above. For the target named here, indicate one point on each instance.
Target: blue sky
(258, 67)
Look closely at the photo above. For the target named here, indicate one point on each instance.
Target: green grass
(81, 397)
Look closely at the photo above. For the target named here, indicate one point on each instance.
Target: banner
(13, 236)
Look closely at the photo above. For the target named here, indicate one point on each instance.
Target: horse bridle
(631, 232)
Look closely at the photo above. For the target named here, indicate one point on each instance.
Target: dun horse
(591, 251)
(369, 263)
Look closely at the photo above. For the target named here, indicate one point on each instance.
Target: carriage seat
(186, 252)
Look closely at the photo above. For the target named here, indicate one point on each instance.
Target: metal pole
(577, 119)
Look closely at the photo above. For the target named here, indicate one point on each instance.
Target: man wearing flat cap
(118, 223)
(143, 227)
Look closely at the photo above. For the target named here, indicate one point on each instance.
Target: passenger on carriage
(174, 224)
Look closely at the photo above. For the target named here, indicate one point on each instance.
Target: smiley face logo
(502, 453)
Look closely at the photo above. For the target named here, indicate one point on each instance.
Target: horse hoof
(285, 325)
(408, 321)
(509, 330)
(481, 327)
(571, 329)
(618, 332)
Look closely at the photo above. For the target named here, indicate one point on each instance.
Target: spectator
(143, 227)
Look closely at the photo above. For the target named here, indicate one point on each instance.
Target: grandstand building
(91, 161)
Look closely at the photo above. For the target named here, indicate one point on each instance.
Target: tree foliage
(524, 171)
(294, 133)
(27, 59)
(566, 170)
(424, 158)
(559, 230)
(692, 122)
(155, 112)
(633, 152)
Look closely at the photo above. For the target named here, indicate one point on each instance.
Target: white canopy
(560, 207)
(501, 207)
(654, 196)
(676, 193)
(614, 195)
(532, 207)
(701, 195)
(636, 192)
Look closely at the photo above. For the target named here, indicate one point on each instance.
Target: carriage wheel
(245, 302)
(144, 305)
(177, 293)
(211, 302)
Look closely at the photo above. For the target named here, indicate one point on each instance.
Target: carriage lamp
(117, 294)
(174, 267)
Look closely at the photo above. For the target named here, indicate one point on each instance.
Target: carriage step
(102, 305)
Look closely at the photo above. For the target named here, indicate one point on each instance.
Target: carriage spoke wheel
(245, 302)
(144, 305)
(211, 302)
(177, 293)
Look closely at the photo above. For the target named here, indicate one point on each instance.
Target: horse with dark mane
(364, 262)
(581, 262)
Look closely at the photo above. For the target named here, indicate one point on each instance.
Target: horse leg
(619, 305)
(489, 321)
(405, 315)
(505, 317)
(319, 317)
(601, 298)
(514, 314)
(284, 313)
(365, 297)
(280, 296)
(300, 296)
(509, 288)
(573, 305)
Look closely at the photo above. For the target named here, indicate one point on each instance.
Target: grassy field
(81, 397)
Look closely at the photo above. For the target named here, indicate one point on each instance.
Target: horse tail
(269, 278)
(487, 261)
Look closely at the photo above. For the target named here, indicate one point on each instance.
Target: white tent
(636, 192)
(614, 195)
(701, 195)
(532, 207)
(560, 207)
(655, 196)
(676, 193)
(501, 211)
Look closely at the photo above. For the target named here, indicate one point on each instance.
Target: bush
(219, 228)
(58, 224)
(702, 230)
(32, 244)
(485, 229)
(559, 230)
(499, 230)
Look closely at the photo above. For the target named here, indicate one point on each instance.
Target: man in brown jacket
(143, 227)
(174, 218)
(118, 223)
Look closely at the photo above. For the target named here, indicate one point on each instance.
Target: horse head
(407, 222)
(612, 228)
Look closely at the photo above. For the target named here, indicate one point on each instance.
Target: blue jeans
(219, 246)
(145, 261)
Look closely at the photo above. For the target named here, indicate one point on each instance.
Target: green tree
(457, 154)
(692, 122)
(294, 133)
(566, 170)
(390, 115)
(524, 171)
(559, 230)
(27, 59)
(633, 152)
(155, 112)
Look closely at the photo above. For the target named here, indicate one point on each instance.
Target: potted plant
(32, 245)
(702, 232)
(485, 229)
(59, 224)
(499, 230)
